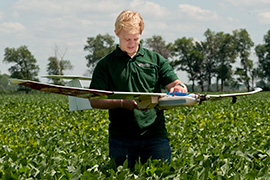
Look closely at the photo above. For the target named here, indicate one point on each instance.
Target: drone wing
(233, 95)
(236, 94)
(145, 100)
(65, 90)
(67, 77)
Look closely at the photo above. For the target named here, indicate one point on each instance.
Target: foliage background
(41, 139)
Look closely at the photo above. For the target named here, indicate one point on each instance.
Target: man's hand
(129, 104)
(177, 86)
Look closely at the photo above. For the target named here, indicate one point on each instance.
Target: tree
(157, 44)
(209, 47)
(5, 85)
(25, 64)
(226, 55)
(200, 59)
(243, 44)
(188, 58)
(57, 65)
(263, 54)
(219, 52)
(98, 47)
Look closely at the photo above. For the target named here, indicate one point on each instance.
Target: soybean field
(41, 139)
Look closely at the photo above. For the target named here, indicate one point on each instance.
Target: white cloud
(196, 13)
(57, 23)
(11, 27)
(15, 14)
(149, 9)
(51, 7)
(155, 16)
(264, 17)
(248, 2)
(230, 19)
(62, 19)
(38, 6)
(1, 15)
(158, 25)
(68, 23)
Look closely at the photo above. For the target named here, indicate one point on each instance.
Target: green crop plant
(41, 139)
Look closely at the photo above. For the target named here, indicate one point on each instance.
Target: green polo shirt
(147, 71)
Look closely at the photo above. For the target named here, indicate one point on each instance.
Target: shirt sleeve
(99, 78)
(166, 72)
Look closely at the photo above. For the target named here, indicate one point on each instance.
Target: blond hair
(129, 21)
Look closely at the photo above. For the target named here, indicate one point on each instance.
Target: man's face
(129, 43)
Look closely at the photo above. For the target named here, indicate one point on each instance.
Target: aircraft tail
(76, 103)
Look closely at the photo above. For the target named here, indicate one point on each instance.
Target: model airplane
(79, 96)
(75, 103)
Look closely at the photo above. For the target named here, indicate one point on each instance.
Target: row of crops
(41, 139)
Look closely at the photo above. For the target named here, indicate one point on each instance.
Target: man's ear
(116, 33)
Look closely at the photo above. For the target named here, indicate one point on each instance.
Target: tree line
(222, 57)
(214, 58)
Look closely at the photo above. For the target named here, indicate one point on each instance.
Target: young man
(134, 134)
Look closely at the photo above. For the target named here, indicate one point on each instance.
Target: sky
(66, 24)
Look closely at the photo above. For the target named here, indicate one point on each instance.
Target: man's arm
(113, 103)
(177, 86)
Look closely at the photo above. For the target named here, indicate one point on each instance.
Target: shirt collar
(119, 52)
